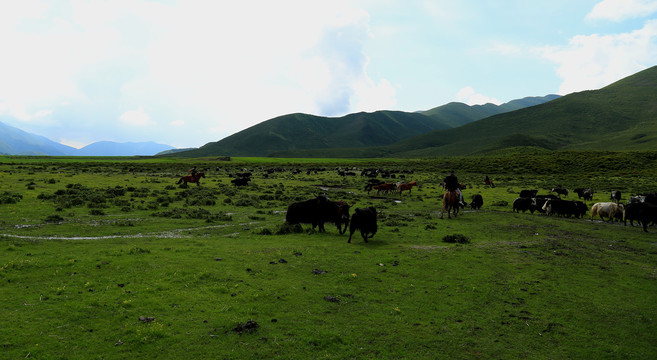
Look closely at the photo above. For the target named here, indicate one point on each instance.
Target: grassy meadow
(110, 258)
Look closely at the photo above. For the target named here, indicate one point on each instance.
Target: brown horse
(196, 178)
(408, 187)
(451, 203)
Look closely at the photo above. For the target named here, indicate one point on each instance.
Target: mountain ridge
(14, 141)
(619, 117)
(298, 131)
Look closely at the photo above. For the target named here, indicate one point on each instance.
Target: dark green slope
(619, 117)
(303, 131)
(295, 132)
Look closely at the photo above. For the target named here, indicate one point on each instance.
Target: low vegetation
(109, 258)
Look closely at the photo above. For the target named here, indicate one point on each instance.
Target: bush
(54, 219)
(456, 238)
(287, 228)
(10, 198)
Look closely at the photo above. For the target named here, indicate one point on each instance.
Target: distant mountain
(110, 148)
(457, 114)
(618, 117)
(295, 132)
(14, 141)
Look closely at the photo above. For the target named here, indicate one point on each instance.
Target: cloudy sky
(185, 73)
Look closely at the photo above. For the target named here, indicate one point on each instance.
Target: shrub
(54, 219)
(265, 231)
(10, 198)
(137, 250)
(287, 228)
(456, 238)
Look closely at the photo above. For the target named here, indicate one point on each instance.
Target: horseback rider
(193, 171)
(452, 184)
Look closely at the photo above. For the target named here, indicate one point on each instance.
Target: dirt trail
(176, 233)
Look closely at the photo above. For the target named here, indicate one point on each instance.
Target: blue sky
(185, 73)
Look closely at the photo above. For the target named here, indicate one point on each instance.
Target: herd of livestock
(641, 208)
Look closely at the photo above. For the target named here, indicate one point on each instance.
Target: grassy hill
(619, 117)
(303, 131)
(294, 132)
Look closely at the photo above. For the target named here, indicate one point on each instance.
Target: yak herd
(641, 208)
(320, 210)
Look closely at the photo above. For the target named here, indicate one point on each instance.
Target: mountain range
(296, 133)
(619, 117)
(14, 141)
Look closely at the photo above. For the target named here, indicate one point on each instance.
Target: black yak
(365, 221)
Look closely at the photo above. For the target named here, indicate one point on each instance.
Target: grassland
(109, 258)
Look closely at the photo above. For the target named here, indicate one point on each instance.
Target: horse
(451, 203)
(489, 182)
(408, 187)
(196, 178)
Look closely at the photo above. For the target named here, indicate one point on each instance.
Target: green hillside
(619, 117)
(303, 131)
(295, 132)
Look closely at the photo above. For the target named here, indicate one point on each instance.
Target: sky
(185, 73)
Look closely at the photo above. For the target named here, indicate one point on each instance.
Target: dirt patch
(249, 327)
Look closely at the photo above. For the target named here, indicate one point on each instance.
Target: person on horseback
(452, 184)
(193, 171)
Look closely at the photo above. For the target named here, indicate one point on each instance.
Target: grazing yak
(565, 208)
(477, 202)
(365, 221)
(648, 215)
(523, 204)
(560, 191)
(632, 211)
(319, 211)
(643, 213)
(241, 181)
(587, 194)
(528, 193)
(609, 210)
(616, 195)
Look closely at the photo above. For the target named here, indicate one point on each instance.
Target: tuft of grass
(456, 238)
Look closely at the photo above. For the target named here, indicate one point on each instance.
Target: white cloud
(222, 65)
(469, 96)
(594, 61)
(137, 117)
(619, 10)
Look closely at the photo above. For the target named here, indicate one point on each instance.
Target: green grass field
(109, 258)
